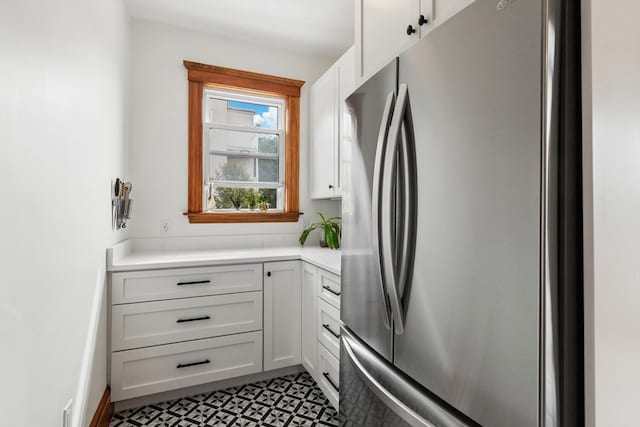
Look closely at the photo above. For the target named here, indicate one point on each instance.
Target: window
(243, 145)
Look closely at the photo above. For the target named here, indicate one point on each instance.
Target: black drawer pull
(331, 290)
(328, 377)
(197, 282)
(193, 319)
(326, 326)
(186, 365)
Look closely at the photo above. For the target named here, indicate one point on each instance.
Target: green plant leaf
(306, 232)
(338, 232)
(330, 236)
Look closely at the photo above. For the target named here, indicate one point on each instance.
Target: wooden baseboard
(104, 411)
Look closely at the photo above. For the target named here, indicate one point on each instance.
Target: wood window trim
(202, 75)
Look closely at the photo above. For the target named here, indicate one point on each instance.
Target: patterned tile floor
(294, 400)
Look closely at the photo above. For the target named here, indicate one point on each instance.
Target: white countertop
(121, 258)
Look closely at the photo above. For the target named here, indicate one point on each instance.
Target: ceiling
(324, 27)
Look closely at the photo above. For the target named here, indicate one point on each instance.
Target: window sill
(239, 217)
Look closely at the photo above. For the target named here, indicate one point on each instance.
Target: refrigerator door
(471, 304)
(364, 303)
(374, 393)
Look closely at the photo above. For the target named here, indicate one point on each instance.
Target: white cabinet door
(155, 285)
(309, 318)
(381, 28)
(329, 375)
(327, 126)
(282, 314)
(329, 327)
(346, 67)
(381, 32)
(161, 368)
(324, 130)
(329, 287)
(164, 322)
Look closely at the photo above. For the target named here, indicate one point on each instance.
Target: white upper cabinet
(324, 131)
(326, 109)
(385, 28)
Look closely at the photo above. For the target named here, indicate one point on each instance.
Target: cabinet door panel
(161, 368)
(323, 135)
(384, 31)
(329, 375)
(346, 66)
(282, 314)
(309, 318)
(163, 322)
(155, 285)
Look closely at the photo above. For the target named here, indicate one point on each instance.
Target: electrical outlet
(165, 226)
(66, 414)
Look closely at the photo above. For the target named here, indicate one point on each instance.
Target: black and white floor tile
(294, 400)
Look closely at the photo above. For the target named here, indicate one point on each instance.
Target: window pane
(241, 113)
(244, 198)
(243, 168)
(268, 170)
(242, 143)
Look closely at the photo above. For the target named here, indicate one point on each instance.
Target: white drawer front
(156, 369)
(140, 286)
(329, 327)
(164, 322)
(329, 287)
(329, 375)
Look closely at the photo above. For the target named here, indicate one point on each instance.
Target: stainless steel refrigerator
(462, 225)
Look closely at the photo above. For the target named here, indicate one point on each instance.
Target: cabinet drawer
(329, 287)
(329, 327)
(164, 322)
(329, 375)
(156, 369)
(155, 285)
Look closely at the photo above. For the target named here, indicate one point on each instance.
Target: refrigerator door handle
(388, 207)
(383, 394)
(407, 211)
(416, 406)
(376, 199)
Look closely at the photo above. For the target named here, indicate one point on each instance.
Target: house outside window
(244, 145)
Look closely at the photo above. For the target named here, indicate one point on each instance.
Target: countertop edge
(131, 265)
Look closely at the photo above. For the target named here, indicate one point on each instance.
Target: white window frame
(207, 124)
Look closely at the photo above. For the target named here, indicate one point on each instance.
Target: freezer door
(364, 302)
(374, 393)
(471, 306)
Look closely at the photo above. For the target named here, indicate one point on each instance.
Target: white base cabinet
(310, 319)
(181, 327)
(282, 315)
(321, 329)
(178, 328)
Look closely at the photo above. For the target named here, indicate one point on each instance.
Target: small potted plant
(236, 197)
(330, 231)
(252, 199)
(263, 205)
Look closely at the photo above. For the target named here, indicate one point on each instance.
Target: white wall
(158, 149)
(612, 199)
(63, 74)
